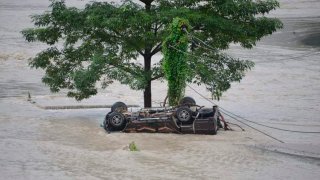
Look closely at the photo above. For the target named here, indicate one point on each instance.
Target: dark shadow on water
(311, 40)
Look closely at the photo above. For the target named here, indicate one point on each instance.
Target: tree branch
(130, 42)
(147, 1)
(157, 77)
(156, 49)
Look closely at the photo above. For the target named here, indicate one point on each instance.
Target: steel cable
(228, 112)
(233, 116)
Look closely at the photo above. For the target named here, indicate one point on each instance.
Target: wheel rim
(116, 120)
(184, 115)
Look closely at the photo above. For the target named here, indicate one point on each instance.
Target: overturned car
(187, 118)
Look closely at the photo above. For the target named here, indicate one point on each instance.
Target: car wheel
(116, 119)
(219, 122)
(106, 125)
(106, 122)
(119, 107)
(184, 114)
(187, 101)
(215, 126)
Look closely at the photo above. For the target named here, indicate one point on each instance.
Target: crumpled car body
(183, 119)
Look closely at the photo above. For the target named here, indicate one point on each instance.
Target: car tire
(116, 120)
(184, 114)
(219, 122)
(215, 126)
(106, 122)
(119, 107)
(187, 101)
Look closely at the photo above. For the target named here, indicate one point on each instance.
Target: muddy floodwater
(282, 90)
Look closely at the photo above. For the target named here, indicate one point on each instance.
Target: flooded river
(282, 90)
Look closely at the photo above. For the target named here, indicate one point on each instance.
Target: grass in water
(133, 146)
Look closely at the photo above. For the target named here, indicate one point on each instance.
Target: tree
(102, 42)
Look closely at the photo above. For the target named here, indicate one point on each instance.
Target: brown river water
(282, 90)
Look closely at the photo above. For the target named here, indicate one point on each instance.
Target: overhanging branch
(157, 77)
(156, 49)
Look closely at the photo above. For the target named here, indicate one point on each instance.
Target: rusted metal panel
(152, 125)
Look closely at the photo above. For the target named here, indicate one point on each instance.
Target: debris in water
(133, 146)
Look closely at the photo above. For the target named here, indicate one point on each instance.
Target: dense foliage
(175, 64)
(102, 41)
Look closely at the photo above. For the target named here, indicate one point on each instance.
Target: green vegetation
(133, 146)
(102, 42)
(175, 64)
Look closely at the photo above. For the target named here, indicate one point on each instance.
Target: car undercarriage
(186, 118)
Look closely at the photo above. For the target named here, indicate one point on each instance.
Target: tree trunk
(147, 90)
(147, 62)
